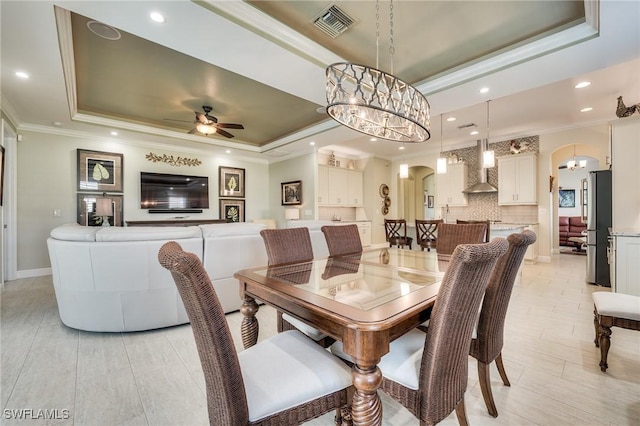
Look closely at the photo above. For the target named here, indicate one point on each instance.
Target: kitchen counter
(624, 232)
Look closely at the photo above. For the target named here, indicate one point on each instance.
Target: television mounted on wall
(167, 193)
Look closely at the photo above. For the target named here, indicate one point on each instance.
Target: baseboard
(30, 273)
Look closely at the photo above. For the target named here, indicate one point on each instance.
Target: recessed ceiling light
(484, 90)
(451, 119)
(475, 132)
(114, 133)
(22, 74)
(312, 143)
(228, 151)
(157, 17)
(582, 84)
(57, 123)
(373, 139)
(401, 148)
(587, 109)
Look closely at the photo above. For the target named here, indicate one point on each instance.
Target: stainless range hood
(482, 186)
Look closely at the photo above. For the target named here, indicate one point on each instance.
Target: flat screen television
(160, 191)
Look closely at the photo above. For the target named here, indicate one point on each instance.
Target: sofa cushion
(231, 229)
(74, 232)
(147, 233)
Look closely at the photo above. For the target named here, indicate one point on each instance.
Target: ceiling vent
(333, 21)
(466, 126)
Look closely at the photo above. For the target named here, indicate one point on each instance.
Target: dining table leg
(366, 408)
(249, 327)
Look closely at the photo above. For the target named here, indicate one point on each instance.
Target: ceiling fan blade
(211, 118)
(201, 118)
(224, 133)
(229, 126)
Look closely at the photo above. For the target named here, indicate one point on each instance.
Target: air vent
(466, 126)
(333, 21)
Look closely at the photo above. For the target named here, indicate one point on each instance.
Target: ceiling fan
(206, 124)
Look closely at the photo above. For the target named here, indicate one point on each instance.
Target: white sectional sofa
(109, 279)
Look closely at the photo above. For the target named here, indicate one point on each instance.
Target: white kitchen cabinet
(364, 229)
(449, 186)
(355, 188)
(517, 177)
(340, 187)
(323, 185)
(626, 264)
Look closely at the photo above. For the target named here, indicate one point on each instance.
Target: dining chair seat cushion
(287, 370)
(311, 332)
(402, 363)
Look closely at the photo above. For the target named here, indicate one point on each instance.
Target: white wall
(303, 168)
(47, 181)
(626, 172)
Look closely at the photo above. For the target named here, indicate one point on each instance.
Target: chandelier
(573, 164)
(374, 102)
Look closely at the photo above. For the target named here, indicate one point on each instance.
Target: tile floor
(154, 378)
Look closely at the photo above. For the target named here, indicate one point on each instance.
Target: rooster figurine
(624, 111)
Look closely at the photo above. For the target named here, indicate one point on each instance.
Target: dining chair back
(285, 246)
(487, 345)
(451, 235)
(236, 383)
(426, 233)
(342, 239)
(433, 388)
(396, 233)
(487, 236)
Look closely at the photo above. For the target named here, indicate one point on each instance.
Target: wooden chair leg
(461, 414)
(604, 341)
(596, 325)
(501, 370)
(485, 386)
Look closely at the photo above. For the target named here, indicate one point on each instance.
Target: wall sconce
(292, 214)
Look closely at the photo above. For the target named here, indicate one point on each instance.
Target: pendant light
(441, 163)
(573, 164)
(404, 167)
(374, 102)
(488, 157)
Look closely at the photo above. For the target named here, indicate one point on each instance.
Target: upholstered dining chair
(487, 236)
(291, 245)
(426, 232)
(427, 372)
(451, 234)
(396, 233)
(486, 345)
(265, 384)
(342, 239)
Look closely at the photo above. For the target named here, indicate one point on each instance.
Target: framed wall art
(231, 182)
(430, 202)
(567, 197)
(291, 193)
(99, 171)
(232, 210)
(87, 204)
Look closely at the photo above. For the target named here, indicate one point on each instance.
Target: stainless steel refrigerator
(598, 224)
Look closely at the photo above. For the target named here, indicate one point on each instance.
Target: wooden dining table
(365, 301)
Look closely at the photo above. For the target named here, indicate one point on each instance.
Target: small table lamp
(104, 209)
(292, 214)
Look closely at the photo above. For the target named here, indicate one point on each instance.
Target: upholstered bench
(613, 310)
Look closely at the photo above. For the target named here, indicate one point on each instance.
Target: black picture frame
(566, 198)
(87, 206)
(430, 201)
(232, 210)
(231, 182)
(291, 193)
(99, 171)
